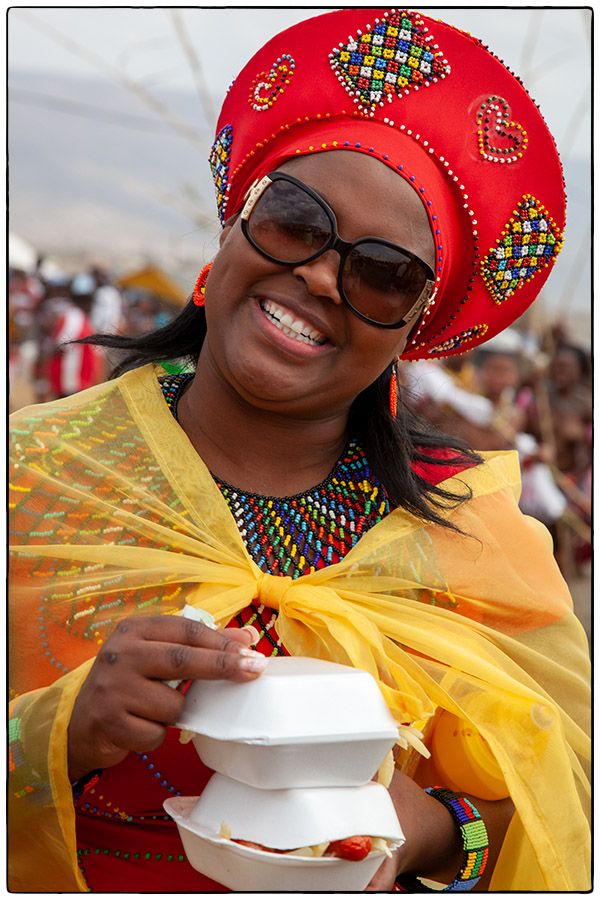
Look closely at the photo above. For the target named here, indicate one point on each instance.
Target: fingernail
(254, 664)
(246, 651)
(254, 635)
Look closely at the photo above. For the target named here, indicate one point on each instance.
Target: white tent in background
(21, 255)
(51, 271)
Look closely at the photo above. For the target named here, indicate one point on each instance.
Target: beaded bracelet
(475, 844)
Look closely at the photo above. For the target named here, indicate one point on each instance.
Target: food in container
(353, 848)
(294, 817)
(303, 723)
(284, 820)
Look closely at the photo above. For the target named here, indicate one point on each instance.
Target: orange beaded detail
(394, 391)
(200, 286)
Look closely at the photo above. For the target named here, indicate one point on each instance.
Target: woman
(282, 490)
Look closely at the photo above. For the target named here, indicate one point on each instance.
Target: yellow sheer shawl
(113, 514)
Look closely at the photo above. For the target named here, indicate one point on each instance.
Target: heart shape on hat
(267, 87)
(390, 58)
(500, 138)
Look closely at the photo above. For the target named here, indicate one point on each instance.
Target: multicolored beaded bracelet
(475, 844)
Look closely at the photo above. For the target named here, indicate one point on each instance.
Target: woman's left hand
(385, 876)
(432, 842)
(433, 847)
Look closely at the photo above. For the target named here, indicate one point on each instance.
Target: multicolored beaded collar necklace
(297, 535)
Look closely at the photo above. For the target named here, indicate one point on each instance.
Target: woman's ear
(227, 229)
(225, 234)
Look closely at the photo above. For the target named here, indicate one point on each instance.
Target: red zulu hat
(435, 105)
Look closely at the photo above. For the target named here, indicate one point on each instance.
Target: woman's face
(275, 371)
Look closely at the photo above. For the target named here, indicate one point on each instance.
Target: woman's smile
(286, 327)
(294, 328)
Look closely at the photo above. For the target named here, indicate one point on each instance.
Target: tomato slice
(354, 848)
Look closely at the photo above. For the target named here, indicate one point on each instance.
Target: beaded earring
(394, 390)
(200, 286)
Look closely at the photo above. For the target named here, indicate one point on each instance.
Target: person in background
(142, 314)
(499, 372)
(450, 399)
(558, 411)
(25, 297)
(107, 314)
(25, 293)
(487, 416)
(570, 399)
(66, 367)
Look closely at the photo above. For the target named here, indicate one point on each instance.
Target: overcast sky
(549, 48)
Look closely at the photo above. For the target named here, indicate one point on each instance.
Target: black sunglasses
(290, 224)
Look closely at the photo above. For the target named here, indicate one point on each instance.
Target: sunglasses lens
(382, 283)
(288, 224)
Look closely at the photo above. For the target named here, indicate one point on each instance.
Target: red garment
(434, 473)
(125, 840)
(73, 367)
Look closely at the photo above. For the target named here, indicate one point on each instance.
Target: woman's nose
(321, 276)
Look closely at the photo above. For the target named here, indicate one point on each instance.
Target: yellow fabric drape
(113, 514)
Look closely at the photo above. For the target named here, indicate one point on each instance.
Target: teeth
(293, 328)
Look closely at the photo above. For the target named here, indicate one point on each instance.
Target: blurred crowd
(520, 391)
(46, 312)
(532, 394)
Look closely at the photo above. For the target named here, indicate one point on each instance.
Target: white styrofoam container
(298, 820)
(295, 817)
(303, 723)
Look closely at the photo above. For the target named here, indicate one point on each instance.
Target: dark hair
(390, 444)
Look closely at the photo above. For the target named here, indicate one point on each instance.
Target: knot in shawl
(271, 589)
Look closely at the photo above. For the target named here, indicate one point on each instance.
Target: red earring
(394, 391)
(200, 286)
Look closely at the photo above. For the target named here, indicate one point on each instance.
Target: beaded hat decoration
(267, 86)
(435, 105)
(218, 161)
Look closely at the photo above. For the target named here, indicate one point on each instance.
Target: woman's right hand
(125, 705)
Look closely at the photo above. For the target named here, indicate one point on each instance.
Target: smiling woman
(275, 375)
(388, 191)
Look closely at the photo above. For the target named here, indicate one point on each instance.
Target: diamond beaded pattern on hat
(436, 106)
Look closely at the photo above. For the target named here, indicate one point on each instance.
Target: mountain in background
(95, 175)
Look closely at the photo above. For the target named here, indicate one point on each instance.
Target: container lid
(296, 817)
(295, 700)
